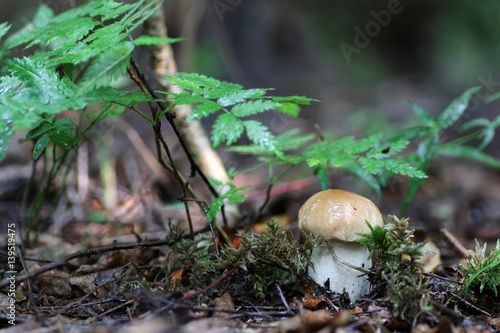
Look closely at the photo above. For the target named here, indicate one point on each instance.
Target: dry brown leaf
(223, 302)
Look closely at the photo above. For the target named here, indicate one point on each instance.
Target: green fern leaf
(294, 99)
(199, 80)
(370, 165)
(423, 116)
(342, 160)
(183, 83)
(366, 176)
(292, 140)
(227, 129)
(470, 153)
(240, 96)
(141, 11)
(387, 150)
(154, 40)
(205, 109)
(259, 134)
(108, 66)
(185, 97)
(364, 144)
(284, 142)
(410, 134)
(290, 109)
(402, 168)
(253, 107)
(456, 108)
(4, 28)
(110, 94)
(106, 9)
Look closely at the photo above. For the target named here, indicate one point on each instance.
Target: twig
(455, 244)
(283, 299)
(175, 304)
(472, 306)
(87, 253)
(211, 285)
(170, 118)
(160, 140)
(186, 205)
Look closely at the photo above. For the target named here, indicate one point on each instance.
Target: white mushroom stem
(339, 267)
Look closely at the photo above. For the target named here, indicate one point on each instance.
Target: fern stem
(464, 139)
(268, 192)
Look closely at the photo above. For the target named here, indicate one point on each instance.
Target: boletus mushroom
(336, 216)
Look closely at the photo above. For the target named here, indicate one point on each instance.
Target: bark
(163, 63)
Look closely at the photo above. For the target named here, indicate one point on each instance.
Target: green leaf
(341, 160)
(259, 134)
(283, 142)
(40, 145)
(493, 97)
(240, 96)
(253, 107)
(386, 151)
(288, 108)
(456, 108)
(470, 153)
(426, 150)
(366, 176)
(322, 174)
(410, 134)
(229, 192)
(4, 28)
(294, 99)
(110, 94)
(205, 109)
(370, 165)
(423, 116)
(187, 98)
(39, 130)
(154, 40)
(39, 83)
(483, 122)
(403, 168)
(292, 140)
(227, 129)
(363, 144)
(107, 67)
(182, 83)
(6, 132)
(62, 137)
(63, 122)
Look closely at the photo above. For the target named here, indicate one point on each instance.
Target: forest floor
(132, 274)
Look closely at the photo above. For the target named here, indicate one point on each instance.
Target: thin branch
(86, 253)
(211, 285)
(170, 118)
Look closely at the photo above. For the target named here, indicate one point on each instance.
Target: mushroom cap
(338, 215)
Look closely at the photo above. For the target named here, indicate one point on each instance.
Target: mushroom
(336, 216)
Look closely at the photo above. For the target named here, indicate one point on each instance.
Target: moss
(396, 266)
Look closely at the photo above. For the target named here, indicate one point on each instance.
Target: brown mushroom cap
(338, 215)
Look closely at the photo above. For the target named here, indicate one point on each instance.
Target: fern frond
(253, 107)
(260, 134)
(107, 67)
(227, 129)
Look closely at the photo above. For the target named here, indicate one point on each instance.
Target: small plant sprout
(336, 216)
(482, 270)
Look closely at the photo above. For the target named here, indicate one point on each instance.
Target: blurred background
(363, 60)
